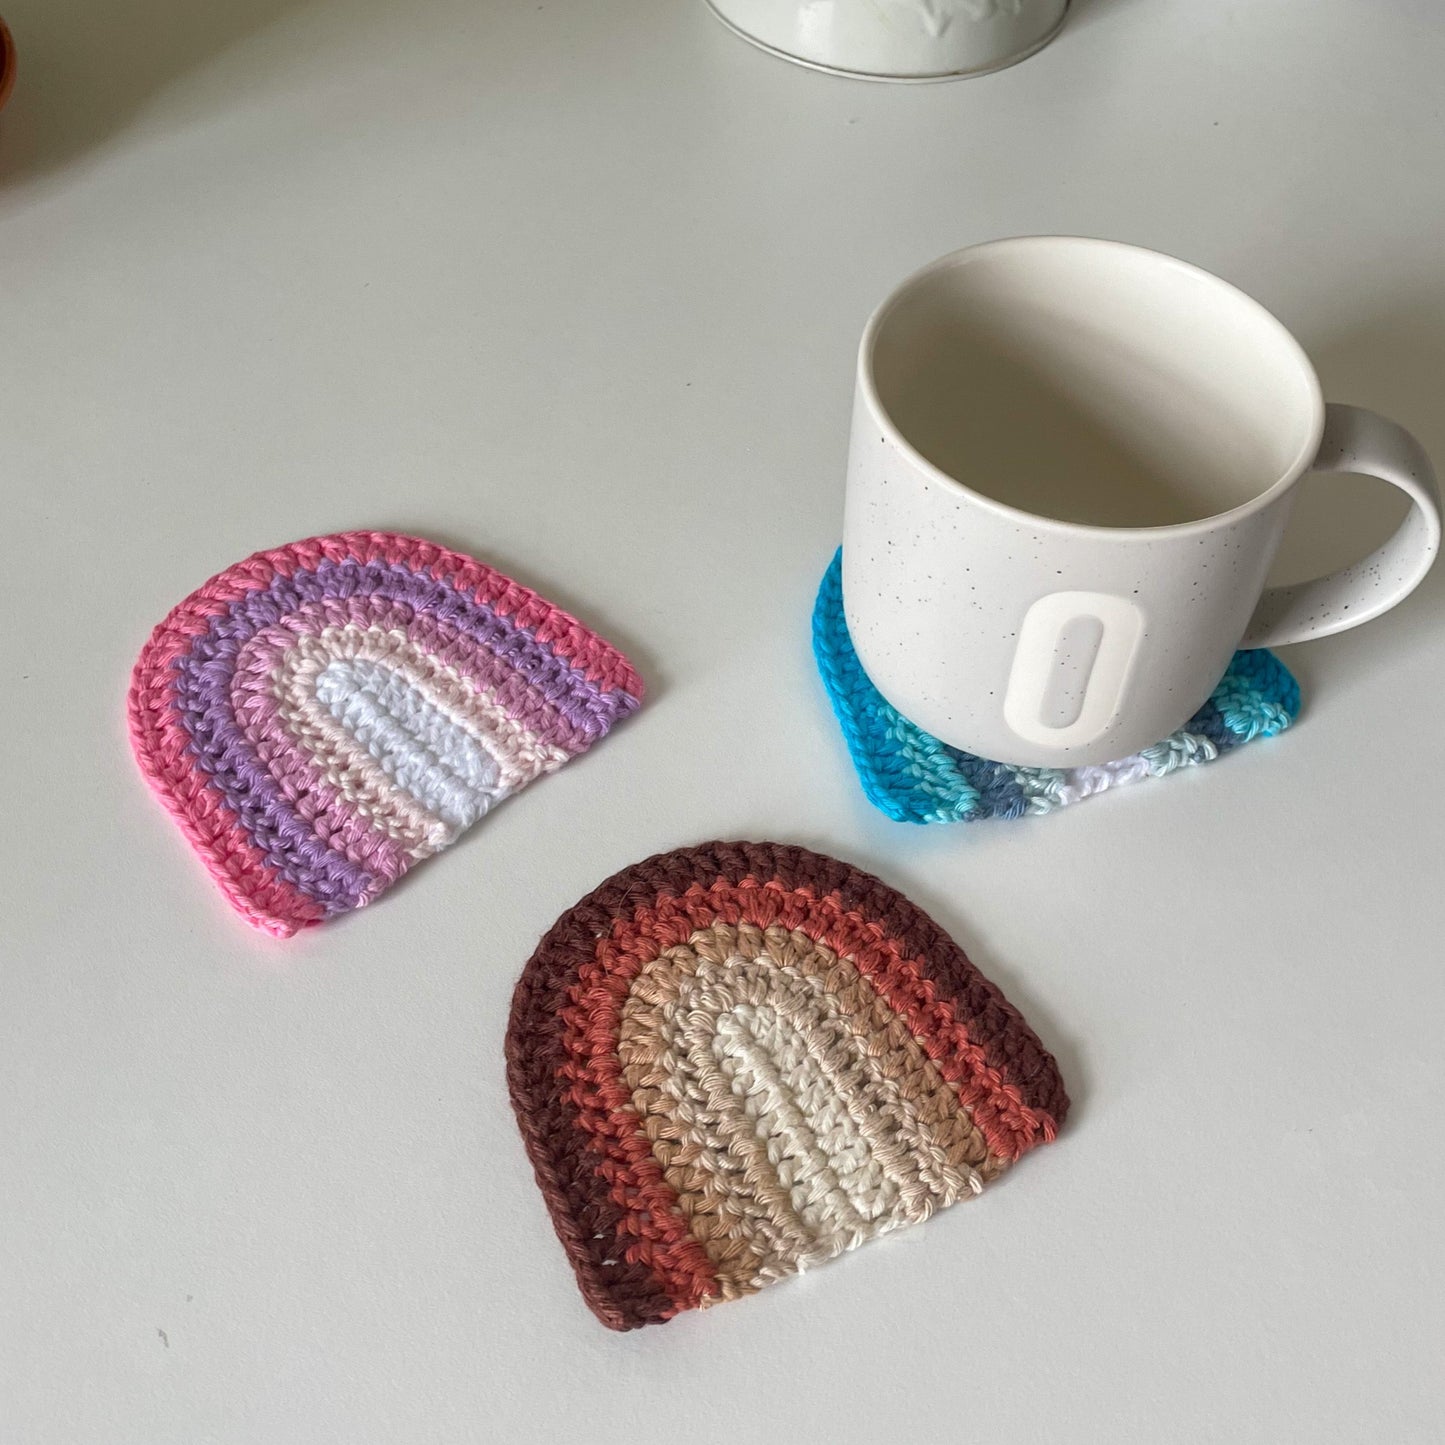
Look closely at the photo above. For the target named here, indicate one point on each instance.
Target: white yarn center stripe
(344, 762)
(520, 754)
(439, 762)
(358, 768)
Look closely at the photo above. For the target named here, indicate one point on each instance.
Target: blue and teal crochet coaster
(915, 778)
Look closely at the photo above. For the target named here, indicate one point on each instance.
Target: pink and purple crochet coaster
(321, 717)
(914, 777)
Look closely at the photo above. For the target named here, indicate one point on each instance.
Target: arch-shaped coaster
(914, 777)
(320, 717)
(733, 1061)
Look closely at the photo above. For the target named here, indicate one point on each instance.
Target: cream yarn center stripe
(915, 1124)
(793, 1112)
(771, 1059)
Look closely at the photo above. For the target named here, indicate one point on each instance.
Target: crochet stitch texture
(914, 777)
(733, 1061)
(320, 717)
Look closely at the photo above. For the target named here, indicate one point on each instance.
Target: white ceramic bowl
(897, 39)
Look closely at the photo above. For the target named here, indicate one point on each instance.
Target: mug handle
(1356, 440)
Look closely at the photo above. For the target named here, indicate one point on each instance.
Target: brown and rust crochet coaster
(733, 1061)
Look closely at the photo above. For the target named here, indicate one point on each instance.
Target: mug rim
(1258, 502)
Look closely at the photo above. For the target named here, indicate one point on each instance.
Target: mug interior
(1093, 383)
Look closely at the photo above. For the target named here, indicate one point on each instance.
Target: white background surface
(575, 287)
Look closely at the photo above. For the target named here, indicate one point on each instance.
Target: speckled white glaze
(1034, 640)
(897, 39)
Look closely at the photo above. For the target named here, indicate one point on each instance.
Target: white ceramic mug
(1071, 464)
(897, 39)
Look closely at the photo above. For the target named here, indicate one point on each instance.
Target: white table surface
(575, 287)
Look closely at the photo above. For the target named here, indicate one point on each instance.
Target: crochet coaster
(915, 778)
(734, 1061)
(320, 717)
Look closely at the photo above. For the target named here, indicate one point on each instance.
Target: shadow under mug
(1072, 462)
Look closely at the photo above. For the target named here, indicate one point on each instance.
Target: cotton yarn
(914, 777)
(734, 1061)
(321, 717)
